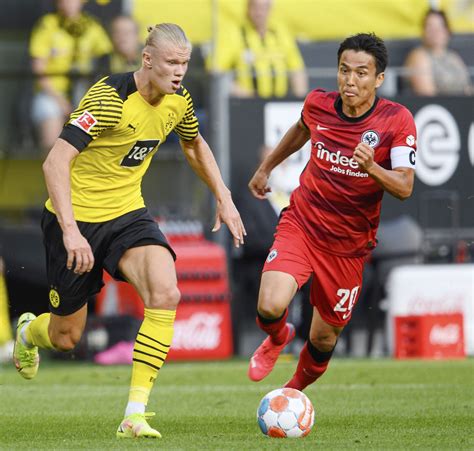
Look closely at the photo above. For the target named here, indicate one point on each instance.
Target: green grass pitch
(362, 404)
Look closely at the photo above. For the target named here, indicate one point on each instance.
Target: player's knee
(269, 305)
(167, 299)
(65, 342)
(270, 310)
(323, 341)
(171, 298)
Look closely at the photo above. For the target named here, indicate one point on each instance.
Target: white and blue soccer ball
(285, 412)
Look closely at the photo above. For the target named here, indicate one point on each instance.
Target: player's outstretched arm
(57, 174)
(398, 182)
(201, 159)
(293, 140)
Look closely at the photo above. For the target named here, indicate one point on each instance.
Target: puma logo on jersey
(139, 152)
(132, 127)
(85, 121)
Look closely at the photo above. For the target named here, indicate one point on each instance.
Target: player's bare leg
(66, 331)
(316, 353)
(277, 290)
(151, 270)
(47, 331)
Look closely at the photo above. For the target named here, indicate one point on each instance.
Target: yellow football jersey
(117, 133)
(261, 65)
(68, 45)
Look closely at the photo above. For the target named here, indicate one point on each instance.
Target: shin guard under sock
(149, 354)
(36, 332)
(311, 365)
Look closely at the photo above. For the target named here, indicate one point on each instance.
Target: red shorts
(337, 281)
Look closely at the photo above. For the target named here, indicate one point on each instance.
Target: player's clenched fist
(258, 185)
(364, 155)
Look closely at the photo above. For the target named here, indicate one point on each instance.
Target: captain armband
(403, 156)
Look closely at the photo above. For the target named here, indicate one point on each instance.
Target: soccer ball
(285, 412)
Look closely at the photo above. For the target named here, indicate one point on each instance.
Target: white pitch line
(258, 388)
(219, 388)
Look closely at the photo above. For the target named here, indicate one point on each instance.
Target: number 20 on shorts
(345, 295)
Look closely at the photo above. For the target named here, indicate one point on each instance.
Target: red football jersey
(337, 204)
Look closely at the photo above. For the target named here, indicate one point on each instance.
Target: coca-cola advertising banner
(427, 290)
(429, 336)
(202, 331)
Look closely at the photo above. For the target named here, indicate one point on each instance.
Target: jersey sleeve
(403, 150)
(188, 128)
(309, 101)
(100, 109)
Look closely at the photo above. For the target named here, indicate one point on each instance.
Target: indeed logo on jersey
(341, 164)
(136, 155)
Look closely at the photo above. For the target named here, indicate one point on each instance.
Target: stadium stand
(320, 58)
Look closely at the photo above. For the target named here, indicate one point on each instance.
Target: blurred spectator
(264, 56)
(126, 55)
(62, 44)
(433, 69)
(6, 337)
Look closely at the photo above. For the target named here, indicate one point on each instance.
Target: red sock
(308, 369)
(275, 328)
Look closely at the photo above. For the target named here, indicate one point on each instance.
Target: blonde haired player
(95, 217)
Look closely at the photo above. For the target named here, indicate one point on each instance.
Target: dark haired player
(361, 146)
(96, 218)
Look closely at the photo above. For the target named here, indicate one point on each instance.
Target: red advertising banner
(429, 336)
(203, 327)
(202, 331)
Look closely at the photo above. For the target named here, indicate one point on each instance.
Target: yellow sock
(151, 349)
(36, 333)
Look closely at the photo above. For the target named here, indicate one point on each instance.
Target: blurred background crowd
(253, 62)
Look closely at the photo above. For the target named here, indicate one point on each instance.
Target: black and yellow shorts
(109, 240)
